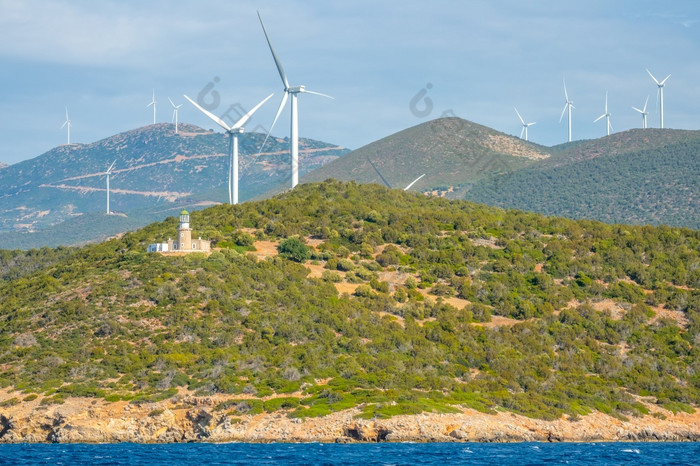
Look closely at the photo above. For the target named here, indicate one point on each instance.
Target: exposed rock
(191, 419)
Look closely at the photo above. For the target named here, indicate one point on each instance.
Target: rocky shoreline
(194, 419)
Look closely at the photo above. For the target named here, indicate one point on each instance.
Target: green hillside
(391, 301)
(641, 177)
(451, 152)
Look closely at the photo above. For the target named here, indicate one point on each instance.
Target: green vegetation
(606, 316)
(640, 176)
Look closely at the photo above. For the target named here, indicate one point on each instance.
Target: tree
(293, 248)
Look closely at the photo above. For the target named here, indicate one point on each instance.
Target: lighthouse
(183, 242)
(184, 233)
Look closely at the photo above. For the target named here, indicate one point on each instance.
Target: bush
(294, 249)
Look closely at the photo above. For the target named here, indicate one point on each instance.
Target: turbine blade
(664, 80)
(533, 123)
(602, 116)
(652, 77)
(171, 103)
(635, 108)
(521, 118)
(214, 118)
(318, 93)
(279, 110)
(247, 116)
(413, 182)
(645, 104)
(109, 170)
(563, 112)
(566, 94)
(379, 173)
(522, 131)
(278, 63)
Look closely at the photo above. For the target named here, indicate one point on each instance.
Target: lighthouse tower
(184, 233)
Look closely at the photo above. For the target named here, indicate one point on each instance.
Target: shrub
(294, 249)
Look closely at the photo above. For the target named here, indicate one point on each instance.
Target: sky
(389, 65)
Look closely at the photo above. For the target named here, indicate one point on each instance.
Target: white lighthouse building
(183, 242)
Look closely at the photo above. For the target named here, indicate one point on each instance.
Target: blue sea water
(364, 454)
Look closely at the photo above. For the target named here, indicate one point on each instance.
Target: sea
(442, 454)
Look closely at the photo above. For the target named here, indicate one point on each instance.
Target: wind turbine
(568, 106)
(153, 102)
(293, 91)
(107, 173)
(68, 124)
(525, 125)
(660, 95)
(175, 109)
(605, 115)
(644, 113)
(386, 182)
(233, 132)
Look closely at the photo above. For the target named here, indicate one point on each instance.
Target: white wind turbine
(107, 173)
(233, 132)
(644, 113)
(568, 106)
(153, 102)
(175, 109)
(660, 95)
(293, 91)
(605, 115)
(525, 125)
(67, 124)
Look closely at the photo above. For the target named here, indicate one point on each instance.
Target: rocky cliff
(193, 419)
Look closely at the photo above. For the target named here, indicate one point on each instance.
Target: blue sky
(473, 59)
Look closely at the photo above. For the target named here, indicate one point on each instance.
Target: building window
(182, 235)
(194, 245)
(182, 245)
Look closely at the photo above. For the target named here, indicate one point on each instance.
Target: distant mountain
(639, 176)
(452, 152)
(2, 165)
(648, 176)
(155, 169)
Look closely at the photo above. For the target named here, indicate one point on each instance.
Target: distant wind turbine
(67, 124)
(644, 113)
(107, 174)
(525, 125)
(293, 91)
(175, 109)
(153, 102)
(568, 106)
(660, 95)
(233, 132)
(386, 182)
(605, 115)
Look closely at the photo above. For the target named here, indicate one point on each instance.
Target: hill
(336, 297)
(451, 152)
(155, 168)
(638, 176)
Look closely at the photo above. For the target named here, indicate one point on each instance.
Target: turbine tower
(233, 132)
(293, 91)
(175, 109)
(644, 113)
(107, 173)
(67, 124)
(153, 102)
(568, 106)
(525, 125)
(605, 115)
(660, 95)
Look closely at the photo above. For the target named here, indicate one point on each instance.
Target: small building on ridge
(183, 242)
